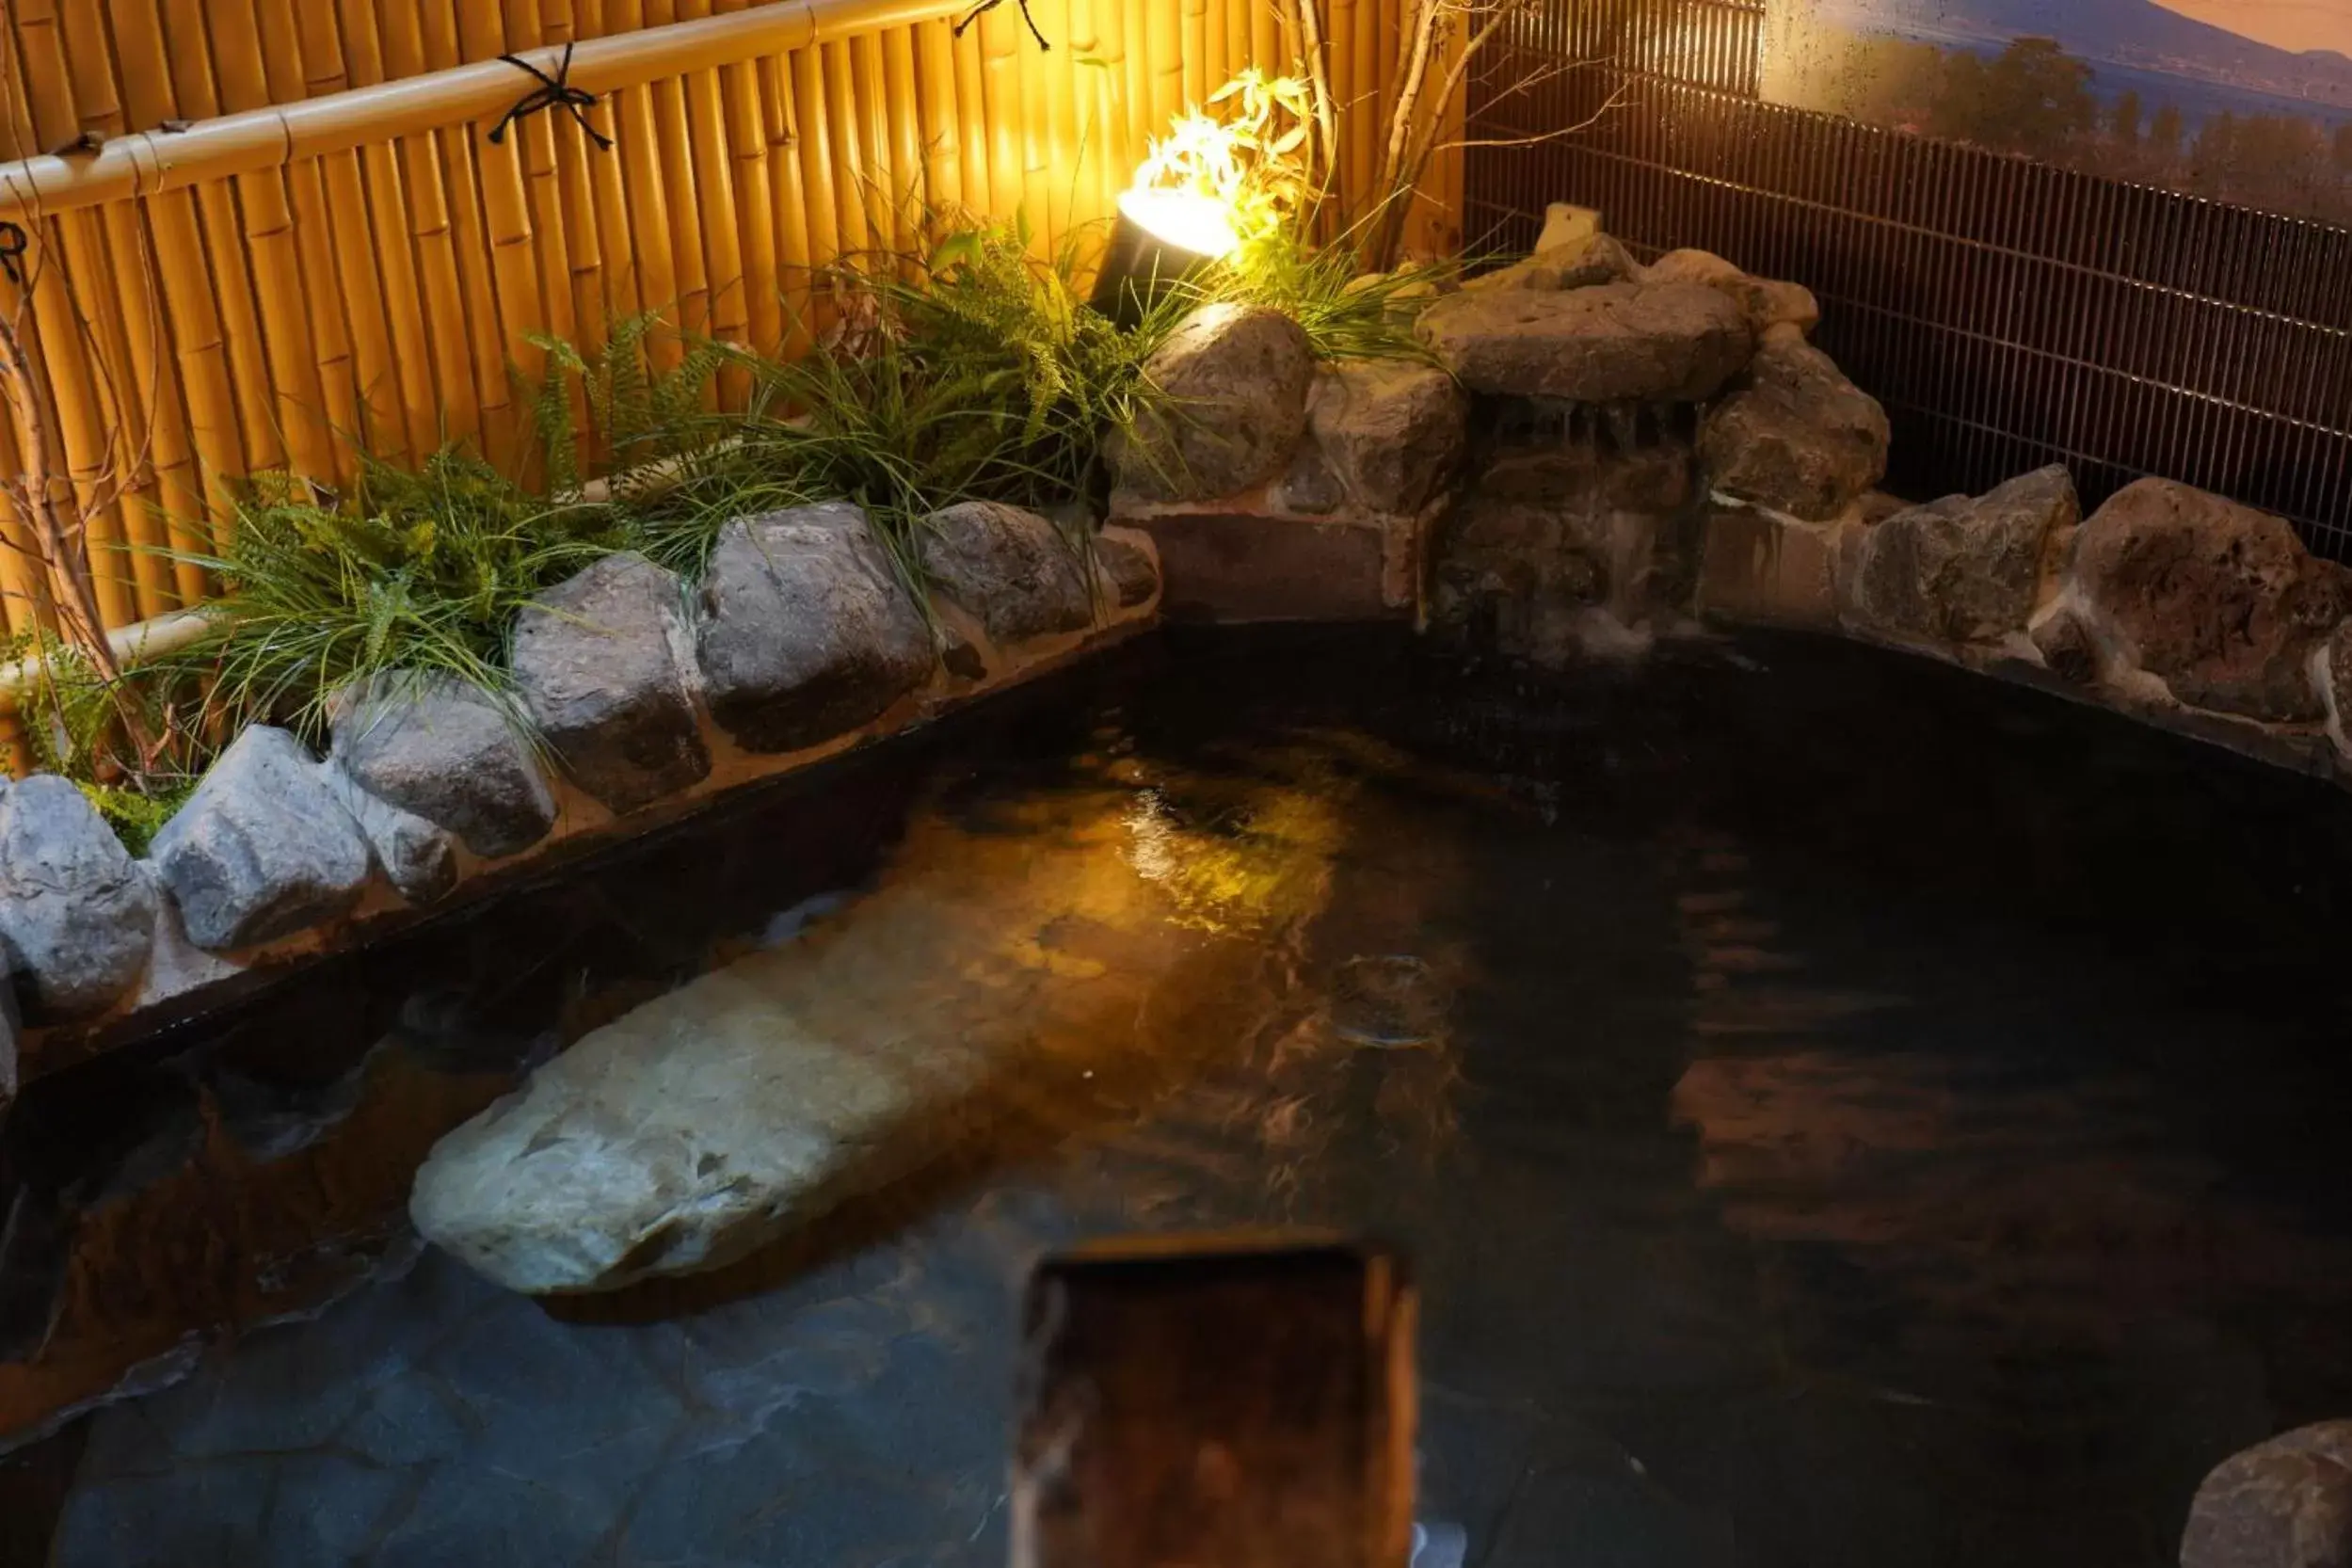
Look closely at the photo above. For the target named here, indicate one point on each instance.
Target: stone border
(2180, 609)
(798, 644)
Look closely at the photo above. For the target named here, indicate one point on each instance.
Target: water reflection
(1785, 1189)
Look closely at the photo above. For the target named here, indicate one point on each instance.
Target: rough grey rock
(1308, 485)
(76, 913)
(806, 632)
(1614, 342)
(2286, 1503)
(262, 848)
(2220, 600)
(1234, 382)
(1797, 435)
(437, 747)
(1958, 570)
(419, 859)
(1134, 577)
(1010, 568)
(599, 664)
(1576, 263)
(1390, 430)
(1693, 266)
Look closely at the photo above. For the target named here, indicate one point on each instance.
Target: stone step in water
(993, 973)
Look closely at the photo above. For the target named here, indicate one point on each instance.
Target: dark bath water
(1841, 1113)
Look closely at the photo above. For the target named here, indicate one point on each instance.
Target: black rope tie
(14, 242)
(553, 92)
(974, 14)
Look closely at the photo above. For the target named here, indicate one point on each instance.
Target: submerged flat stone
(992, 967)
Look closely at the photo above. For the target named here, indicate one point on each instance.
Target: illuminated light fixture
(1199, 225)
(1160, 237)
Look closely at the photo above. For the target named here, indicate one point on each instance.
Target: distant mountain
(2135, 32)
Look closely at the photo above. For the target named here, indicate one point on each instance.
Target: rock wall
(1278, 489)
(643, 693)
(1632, 475)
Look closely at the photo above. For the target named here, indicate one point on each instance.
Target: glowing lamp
(1160, 237)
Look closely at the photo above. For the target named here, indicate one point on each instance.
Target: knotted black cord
(553, 92)
(14, 242)
(973, 15)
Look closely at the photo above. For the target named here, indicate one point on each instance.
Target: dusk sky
(2297, 24)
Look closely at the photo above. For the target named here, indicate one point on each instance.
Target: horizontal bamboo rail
(147, 163)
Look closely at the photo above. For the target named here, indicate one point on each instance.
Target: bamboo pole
(1136, 80)
(67, 331)
(722, 241)
(903, 109)
(1113, 121)
(1266, 51)
(787, 191)
(971, 113)
(432, 230)
(149, 427)
(1000, 112)
(285, 64)
(200, 360)
(674, 151)
(1196, 83)
(145, 162)
(648, 230)
(584, 282)
(847, 157)
(1216, 63)
(293, 358)
(814, 119)
(1014, 94)
(530, 22)
(875, 179)
(487, 235)
(378, 420)
(940, 127)
(606, 194)
(750, 154)
(390, 243)
(1054, 152)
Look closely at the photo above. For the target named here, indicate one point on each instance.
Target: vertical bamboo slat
(1057, 152)
(939, 128)
(239, 80)
(902, 106)
(749, 153)
(971, 113)
(1001, 111)
(793, 206)
(199, 350)
(382, 169)
(80, 419)
(433, 230)
(377, 419)
(149, 429)
(1196, 67)
(675, 148)
(875, 178)
(722, 244)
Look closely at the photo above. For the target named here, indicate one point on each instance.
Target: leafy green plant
(1245, 152)
(415, 572)
(134, 742)
(1346, 312)
(972, 373)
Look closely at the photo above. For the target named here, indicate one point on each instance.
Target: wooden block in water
(1216, 1402)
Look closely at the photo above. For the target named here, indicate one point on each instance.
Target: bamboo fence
(256, 227)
